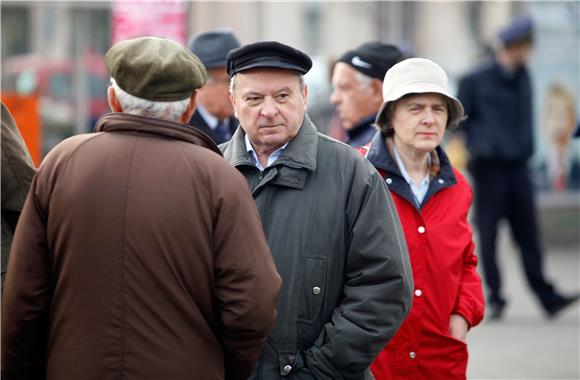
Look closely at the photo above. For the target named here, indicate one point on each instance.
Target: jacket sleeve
(378, 283)
(17, 171)
(247, 282)
(27, 295)
(466, 95)
(470, 301)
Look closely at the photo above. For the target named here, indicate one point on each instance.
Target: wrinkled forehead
(432, 98)
(264, 79)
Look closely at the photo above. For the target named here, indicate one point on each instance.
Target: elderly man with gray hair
(357, 79)
(139, 253)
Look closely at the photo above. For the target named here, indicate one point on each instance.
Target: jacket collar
(124, 122)
(299, 154)
(362, 126)
(382, 159)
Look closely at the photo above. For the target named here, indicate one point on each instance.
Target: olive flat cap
(373, 59)
(267, 54)
(211, 47)
(156, 69)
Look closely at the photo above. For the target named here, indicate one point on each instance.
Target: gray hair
(364, 80)
(233, 83)
(172, 111)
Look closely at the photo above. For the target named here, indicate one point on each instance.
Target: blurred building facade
(456, 34)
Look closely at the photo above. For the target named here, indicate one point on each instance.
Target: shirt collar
(271, 158)
(210, 119)
(404, 172)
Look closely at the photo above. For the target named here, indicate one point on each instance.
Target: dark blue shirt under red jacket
(498, 105)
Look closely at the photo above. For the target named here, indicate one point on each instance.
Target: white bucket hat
(417, 76)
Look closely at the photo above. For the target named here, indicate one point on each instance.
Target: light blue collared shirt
(419, 189)
(271, 159)
(210, 119)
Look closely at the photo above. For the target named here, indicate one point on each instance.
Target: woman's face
(419, 122)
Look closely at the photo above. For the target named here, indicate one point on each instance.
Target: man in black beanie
(357, 80)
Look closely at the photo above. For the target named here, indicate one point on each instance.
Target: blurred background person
(498, 102)
(17, 172)
(324, 114)
(357, 79)
(139, 253)
(214, 114)
(433, 200)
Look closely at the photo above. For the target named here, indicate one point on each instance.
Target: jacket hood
(124, 122)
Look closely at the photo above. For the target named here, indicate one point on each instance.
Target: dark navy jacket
(498, 105)
(362, 133)
(197, 121)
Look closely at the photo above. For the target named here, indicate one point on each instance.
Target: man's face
(419, 122)
(353, 100)
(270, 106)
(214, 95)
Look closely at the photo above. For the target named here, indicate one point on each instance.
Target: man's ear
(114, 103)
(190, 109)
(377, 87)
(305, 96)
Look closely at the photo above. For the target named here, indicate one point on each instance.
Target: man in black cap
(139, 253)
(329, 219)
(497, 98)
(214, 113)
(357, 80)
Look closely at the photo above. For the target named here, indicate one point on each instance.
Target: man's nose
(269, 109)
(334, 98)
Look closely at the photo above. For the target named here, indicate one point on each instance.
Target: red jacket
(439, 238)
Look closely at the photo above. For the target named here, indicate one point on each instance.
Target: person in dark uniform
(214, 114)
(357, 81)
(499, 136)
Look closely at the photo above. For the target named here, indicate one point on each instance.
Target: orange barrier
(25, 109)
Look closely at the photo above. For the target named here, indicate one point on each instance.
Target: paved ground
(524, 344)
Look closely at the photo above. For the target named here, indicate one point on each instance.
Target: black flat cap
(519, 30)
(156, 69)
(211, 47)
(268, 54)
(373, 58)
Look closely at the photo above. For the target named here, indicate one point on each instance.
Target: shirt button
(412, 354)
(389, 181)
(287, 369)
(421, 230)
(316, 290)
(440, 181)
(418, 292)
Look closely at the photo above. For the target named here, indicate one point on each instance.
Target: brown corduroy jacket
(139, 255)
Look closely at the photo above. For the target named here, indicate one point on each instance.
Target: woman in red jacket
(433, 200)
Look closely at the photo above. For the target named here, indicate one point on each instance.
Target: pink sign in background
(162, 18)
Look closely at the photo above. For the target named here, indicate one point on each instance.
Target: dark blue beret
(212, 47)
(518, 30)
(267, 54)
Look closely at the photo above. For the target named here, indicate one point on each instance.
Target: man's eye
(253, 99)
(282, 96)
